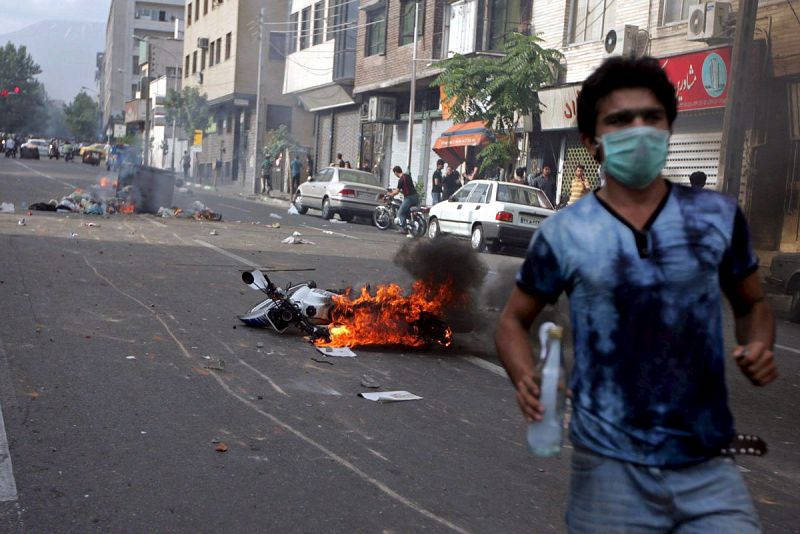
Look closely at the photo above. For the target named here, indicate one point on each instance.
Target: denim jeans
(436, 198)
(611, 496)
(405, 209)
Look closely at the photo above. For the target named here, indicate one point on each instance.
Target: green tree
(83, 117)
(500, 91)
(188, 107)
(23, 108)
(278, 140)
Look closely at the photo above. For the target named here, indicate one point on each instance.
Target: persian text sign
(700, 78)
(559, 107)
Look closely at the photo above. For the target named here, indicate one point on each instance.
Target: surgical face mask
(635, 156)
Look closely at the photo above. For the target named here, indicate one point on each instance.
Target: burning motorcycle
(332, 318)
(385, 216)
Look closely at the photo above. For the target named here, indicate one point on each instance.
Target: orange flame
(391, 318)
(127, 209)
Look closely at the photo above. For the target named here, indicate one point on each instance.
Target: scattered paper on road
(292, 210)
(292, 240)
(337, 352)
(275, 216)
(390, 396)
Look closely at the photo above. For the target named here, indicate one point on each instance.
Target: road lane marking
(231, 255)
(234, 207)
(8, 486)
(73, 186)
(151, 221)
(272, 383)
(488, 366)
(340, 460)
(787, 349)
(330, 232)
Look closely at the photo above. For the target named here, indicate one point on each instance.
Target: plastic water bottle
(544, 437)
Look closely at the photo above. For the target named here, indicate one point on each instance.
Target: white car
(491, 214)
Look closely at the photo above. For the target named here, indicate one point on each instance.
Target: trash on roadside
(73, 235)
(389, 396)
(322, 360)
(327, 232)
(275, 225)
(6, 207)
(213, 232)
(297, 241)
(371, 382)
(296, 233)
(275, 216)
(130, 357)
(337, 221)
(260, 345)
(336, 352)
(21, 222)
(292, 210)
(221, 447)
(91, 225)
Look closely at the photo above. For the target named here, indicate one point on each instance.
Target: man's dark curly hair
(623, 73)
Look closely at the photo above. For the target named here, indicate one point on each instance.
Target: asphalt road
(113, 410)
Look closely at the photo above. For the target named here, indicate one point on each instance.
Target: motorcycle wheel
(418, 225)
(382, 218)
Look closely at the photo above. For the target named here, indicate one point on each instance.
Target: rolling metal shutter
(347, 133)
(693, 152)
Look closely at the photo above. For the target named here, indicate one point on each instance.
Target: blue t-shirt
(648, 380)
(296, 166)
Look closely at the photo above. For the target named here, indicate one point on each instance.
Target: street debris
(275, 216)
(130, 357)
(275, 225)
(322, 360)
(337, 221)
(293, 240)
(260, 345)
(6, 207)
(21, 222)
(292, 210)
(221, 447)
(91, 225)
(73, 235)
(199, 212)
(216, 365)
(327, 232)
(213, 232)
(389, 396)
(337, 352)
(369, 381)
(296, 233)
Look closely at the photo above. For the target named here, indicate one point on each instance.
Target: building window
(203, 56)
(197, 10)
(170, 71)
(162, 16)
(293, 21)
(677, 10)
(305, 27)
(136, 67)
(205, 7)
(211, 54)
(186, 67)
(376, 33)
(189, 14)
(277, 115)
(590, 19)
(319, 24)
(194, 62)
(506, 17)
(228, 45)
(333, 6)
(407, 9)
(277, 46)
(219, 50)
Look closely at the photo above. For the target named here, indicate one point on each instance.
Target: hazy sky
(17, 15)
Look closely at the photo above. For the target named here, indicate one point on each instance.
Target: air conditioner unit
(202, 42)
(707, 21)
(381, 109)
(621, 41)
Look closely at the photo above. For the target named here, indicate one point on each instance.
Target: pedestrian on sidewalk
(296, 168)
(645, 264)
(436, 181)
(546, 183)
(451, 183)
(266, 175)
(186, 162)
(579, 186)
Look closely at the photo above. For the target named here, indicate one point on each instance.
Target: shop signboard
(559, 107)
(701, 79)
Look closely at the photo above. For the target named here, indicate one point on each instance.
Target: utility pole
(737, 104)
(258, 98)
(412, 100)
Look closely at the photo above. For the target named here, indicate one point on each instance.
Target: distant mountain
(65, 50)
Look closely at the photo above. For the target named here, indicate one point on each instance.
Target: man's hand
(528, 399)
(757, 363)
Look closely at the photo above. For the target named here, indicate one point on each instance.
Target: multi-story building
(129, 21)
(693, 43)
(320, 71)
(220, 59)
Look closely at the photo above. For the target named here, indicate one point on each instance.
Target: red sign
(700, 78)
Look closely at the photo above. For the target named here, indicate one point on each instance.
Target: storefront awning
(453, 143)
(332, 96)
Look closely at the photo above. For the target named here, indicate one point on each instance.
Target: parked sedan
(34, 149)
(333, 190)
(491, 214)
(784, 278)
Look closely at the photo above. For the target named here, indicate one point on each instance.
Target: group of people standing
(446, 181)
